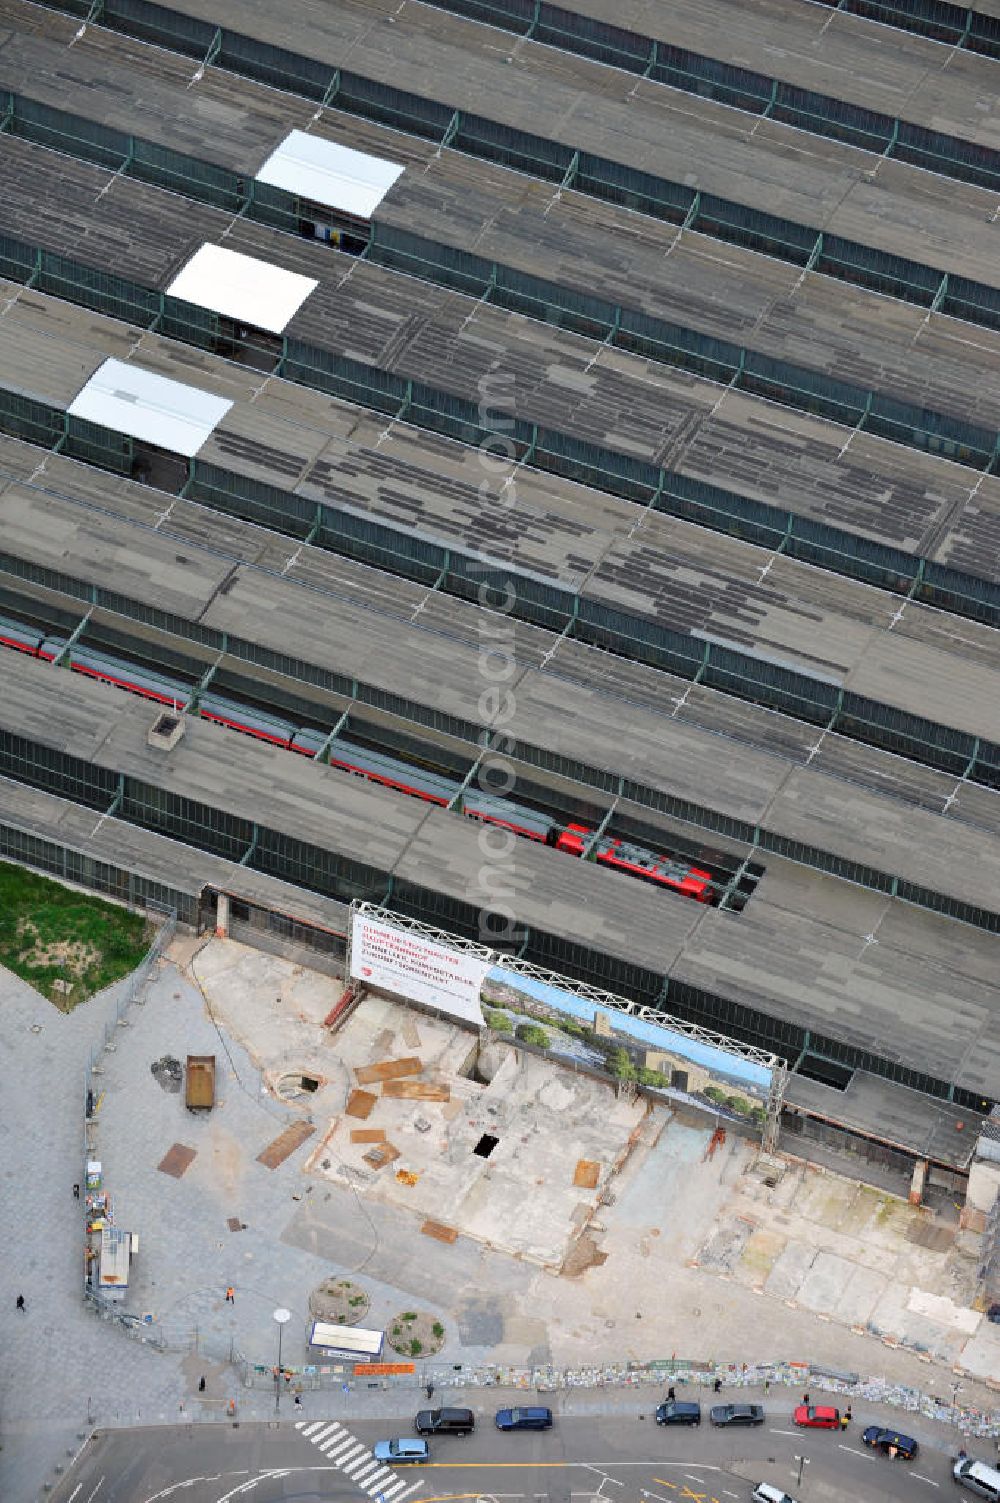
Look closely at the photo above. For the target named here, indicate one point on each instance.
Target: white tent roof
(167, 413)
(241, 287)
(330, 174)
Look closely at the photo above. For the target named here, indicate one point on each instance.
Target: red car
(816, 1417)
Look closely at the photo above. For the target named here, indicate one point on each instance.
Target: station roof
(130, 399)
(840, 961)
(691, 742)
(242, 287)
(327, 172)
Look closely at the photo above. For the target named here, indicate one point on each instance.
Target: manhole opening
(310, 1083)
(486, 1145)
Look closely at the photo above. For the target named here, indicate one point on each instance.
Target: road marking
(921, 1478)
(76, 1489)
(357, 1465)
(729, 1494)
(96, 1490)
(793, 1433)
(692, 1478)
(664, 1483)
(855, 1452)
(305, 1429)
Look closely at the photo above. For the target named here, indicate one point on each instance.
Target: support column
(919, 1182)
(222, 917)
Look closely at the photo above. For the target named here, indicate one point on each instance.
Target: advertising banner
(417, 968)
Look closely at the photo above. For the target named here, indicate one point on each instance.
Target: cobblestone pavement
(66, 1368)
(59, 1360)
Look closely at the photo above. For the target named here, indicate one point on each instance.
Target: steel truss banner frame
(488, 959)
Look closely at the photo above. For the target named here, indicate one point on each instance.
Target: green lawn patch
(66, 944)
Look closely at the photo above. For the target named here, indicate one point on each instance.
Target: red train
(377, 767)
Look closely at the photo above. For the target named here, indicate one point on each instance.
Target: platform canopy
(242, 288)
(167, 413)
(327, 173)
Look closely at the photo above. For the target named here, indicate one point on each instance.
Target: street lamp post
(803, 1461)
(281, 1317)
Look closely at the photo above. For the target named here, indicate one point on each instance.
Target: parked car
(524, 1419)
(401, 1452)
(737, 1414)
(445, 1422)
(890, 1443)
(817, 1416)
(765, 1493)
(674, 1412)
(978, 1477)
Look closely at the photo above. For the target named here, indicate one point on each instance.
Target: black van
(445, 1422)
(676, 1413)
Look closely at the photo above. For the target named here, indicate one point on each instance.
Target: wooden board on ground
(360, 1104)
(439, 1231)
(367, 1134)
(389, 1069)
(381, 1154)
(177, 1160)
(588, 1172)
(285, 1144)
(416, 1090)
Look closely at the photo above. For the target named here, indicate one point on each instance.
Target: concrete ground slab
(789, 1270)
(760, 1254)
(824, 1285)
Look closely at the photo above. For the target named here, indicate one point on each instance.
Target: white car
(765, 1493)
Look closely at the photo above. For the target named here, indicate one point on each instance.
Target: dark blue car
(890, 1443)
(524, 1419)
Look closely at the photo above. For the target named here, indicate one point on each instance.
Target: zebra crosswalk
(355, 1460)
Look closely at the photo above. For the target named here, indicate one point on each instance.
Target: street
(620, 1457)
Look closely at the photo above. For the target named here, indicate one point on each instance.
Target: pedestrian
(230, 1295)
(848, 1416)
(717, 1385)
(767, 1384)
(671, 1394)
(429, 1390)
(76, 1192)
(21, 1305)
(298, 1401)
(805, 1398)
(963, 1453)
(201, 1385)
(845, 1420)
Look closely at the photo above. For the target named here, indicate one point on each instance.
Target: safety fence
(259, 847)
(568, 166)
(677, 67)
(694, 1379)
(129, 990)
(722, 361)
